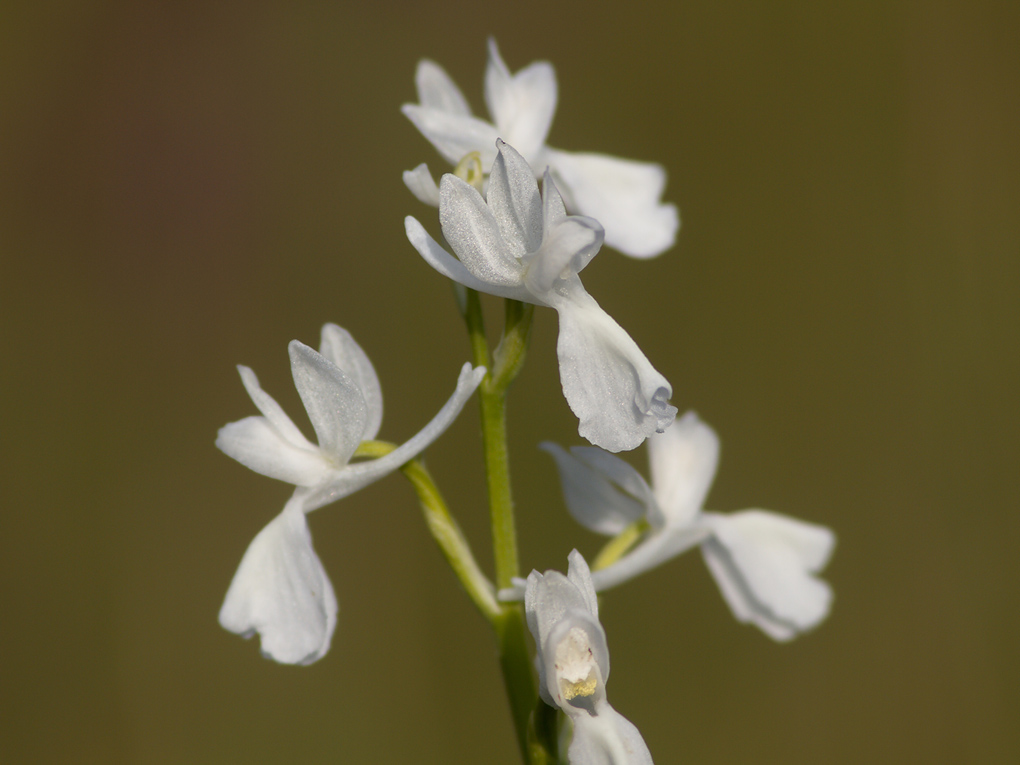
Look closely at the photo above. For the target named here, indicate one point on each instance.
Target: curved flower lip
(623, 195)
(765, 564)
(522, 245)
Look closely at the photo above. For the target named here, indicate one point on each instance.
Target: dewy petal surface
(281, 591)
(515, 202)
(337, 346)
(618, 396)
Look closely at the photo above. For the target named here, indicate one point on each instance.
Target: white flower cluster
(512, 238)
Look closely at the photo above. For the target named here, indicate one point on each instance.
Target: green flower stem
(445, 531)
(506, 362)
(619, 545)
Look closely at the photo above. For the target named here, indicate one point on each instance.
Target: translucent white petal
(513, 197)
(257, 445)
(454, 135)
(764, 564)
(521, 105)
(553, 209)
(361, 474)
(421, 183)
(339, 347)
(591, 493)
(618, 396)
(683, 462)
(282, 592)
(654, 550)
(452, 268)
(580, 575)
(567, 247)
(606, 738)
(437, 91)
(333, 402)
(622, 195)
(273, 412)
(474, 234)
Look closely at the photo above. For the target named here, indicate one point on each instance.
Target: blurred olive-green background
(189, 186)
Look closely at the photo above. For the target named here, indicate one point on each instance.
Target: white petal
(764, 564)
(333, 402)
(437, 91)
(618, 396)
(579, 573)
(257, 445)
(454, 135)
(514, 200)
(521, 105)
(282, 592)
(361, 474)
(589, 481)
(652, 551)
(622, 195)
(474, 234)
(567, 247)
(683, 462)
(607, 738)
(273, 412)
(421, 183)
(452, 268)
(338, 346)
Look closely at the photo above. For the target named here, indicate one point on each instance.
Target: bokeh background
(187, 186)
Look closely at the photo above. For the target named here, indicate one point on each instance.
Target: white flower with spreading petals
(622, 194)
(764, 563)
(280, 589)
(523, 246)
(573, 666)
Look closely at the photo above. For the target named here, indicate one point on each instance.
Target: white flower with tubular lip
(573, 666)
(622, 194)
(522, 245)
(280, 589)
(764, 563)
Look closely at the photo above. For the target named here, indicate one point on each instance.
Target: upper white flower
(522, 245)
(622, 194)
(280, 589)
(573, 666)
(764, 563)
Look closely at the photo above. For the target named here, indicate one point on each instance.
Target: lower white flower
(281, 590)
(573, 666)
(764, 563)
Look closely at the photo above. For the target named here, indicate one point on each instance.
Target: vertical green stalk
(503, 367)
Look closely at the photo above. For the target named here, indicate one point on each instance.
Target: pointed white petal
(580, 575)
(513, 197)
(266, 404)
(452, 268)
(339, 347)
(622, 195)
(361, 474)
(257, 445)
(553, 208)
(606, 738)
(421, 183)
(651, 552)
(618, 396)
(683, 462)
(567, 247)
(282, 592)
(590, 487)
(334, 404)
(521, 105)
(474, 234)
(764, 564)
(454, 135)
(437, 91)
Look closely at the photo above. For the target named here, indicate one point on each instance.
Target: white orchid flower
(280, 589)
(622, 194)
(522, 245)
(764, 563)
(573, 666)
